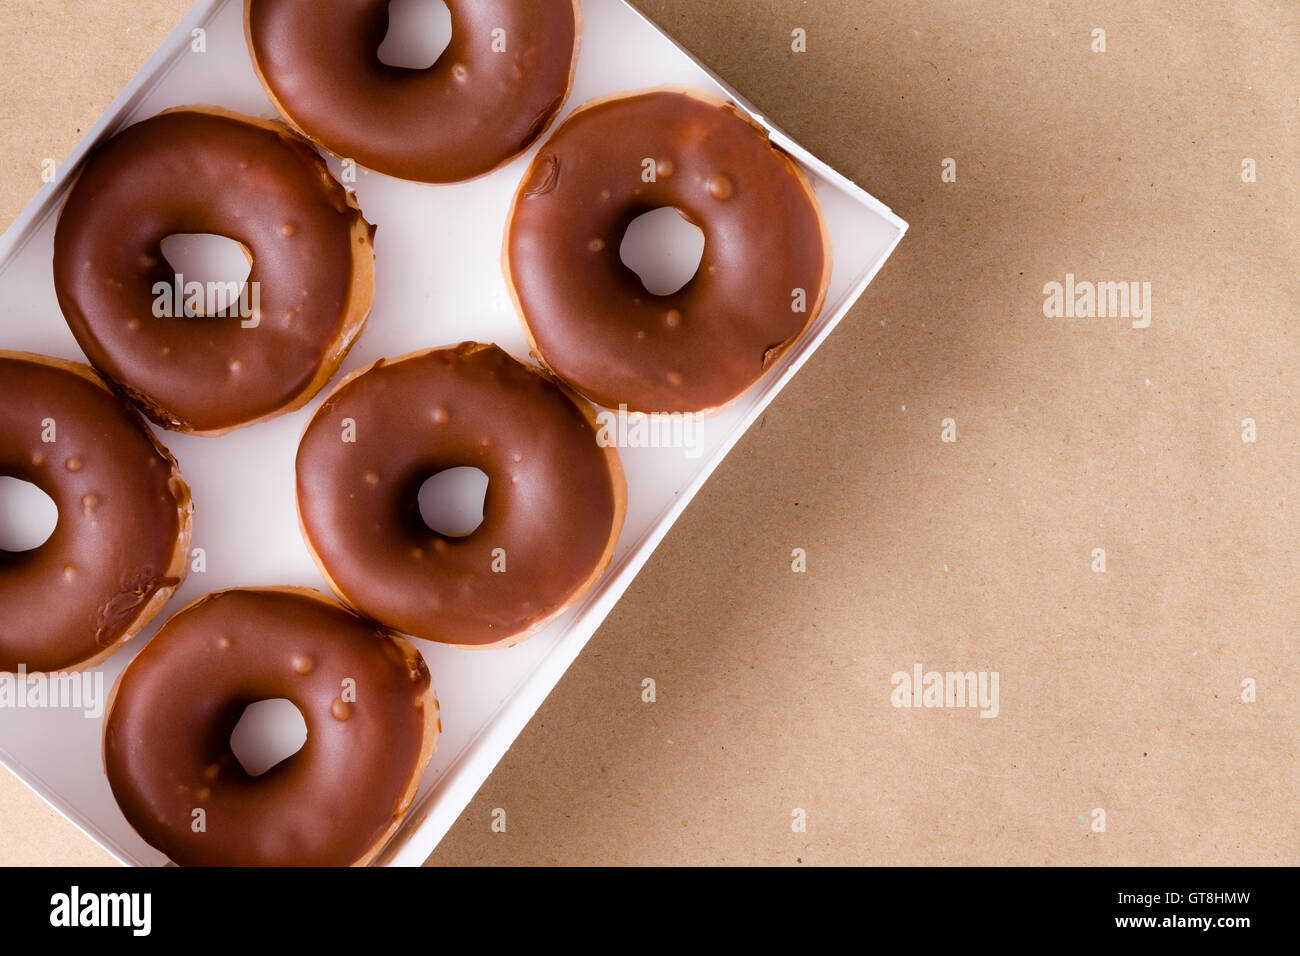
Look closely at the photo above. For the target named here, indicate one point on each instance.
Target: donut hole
(663, 248)
(268, 733)
(212, 271)
(418, 33)
(28, 516)
(451, 501)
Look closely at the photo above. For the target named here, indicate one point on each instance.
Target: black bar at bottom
(654, 906)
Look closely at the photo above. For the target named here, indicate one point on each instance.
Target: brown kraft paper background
(772, 738)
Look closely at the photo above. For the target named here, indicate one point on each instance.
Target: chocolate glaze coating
(201, 170)
(119, 548)
(333, 803)
(473, 110)
(588, 315)
(554, 502)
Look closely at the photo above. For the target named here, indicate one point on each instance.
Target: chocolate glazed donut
(491, 93)
(761, 281)
(205, 170)
(372, 725)
(551, 516)
(121, 544)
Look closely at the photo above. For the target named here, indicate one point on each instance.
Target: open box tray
(439, 282)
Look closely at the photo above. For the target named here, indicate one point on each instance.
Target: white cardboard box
(439, 282)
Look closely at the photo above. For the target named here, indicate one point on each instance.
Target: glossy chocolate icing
(554, 501)
(475, 108)
(590, 318)
(167, 732)
(119, 547)
(200, 171)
